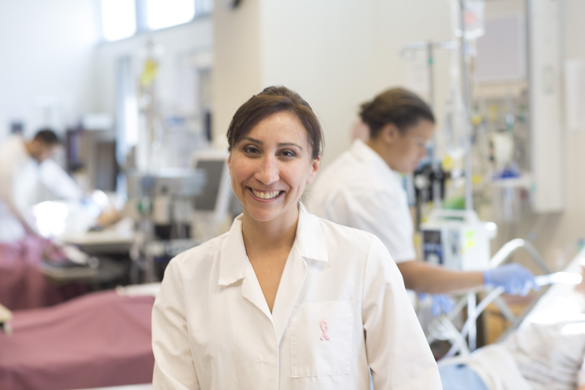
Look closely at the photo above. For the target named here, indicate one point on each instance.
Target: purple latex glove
(440, 303)
(514, 278)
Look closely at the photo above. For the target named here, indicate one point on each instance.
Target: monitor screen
(207, 200)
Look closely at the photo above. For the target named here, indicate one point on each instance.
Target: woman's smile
(264, 196)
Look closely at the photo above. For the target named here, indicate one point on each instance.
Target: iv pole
(429, 47)
(471, 297)
(466, 107)
(465, 94)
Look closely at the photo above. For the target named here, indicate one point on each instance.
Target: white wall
(46, 54)
(237, 73)
(336, 54)
(324, 50)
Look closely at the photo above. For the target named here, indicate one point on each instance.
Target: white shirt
(359, 190)
(20, 179)
(212, 328)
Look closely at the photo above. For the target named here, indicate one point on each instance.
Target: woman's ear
(390, 133)
(315, 164)
(229, 163)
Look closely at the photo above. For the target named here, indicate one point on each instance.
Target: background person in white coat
(363, 189)
(24, 166)
(285, 300)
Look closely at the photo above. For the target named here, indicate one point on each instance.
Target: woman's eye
(288, 153)
(251, 149)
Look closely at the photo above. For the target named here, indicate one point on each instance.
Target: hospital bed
(98, 340)
(443, 328)
(512, 362)
(23, 285)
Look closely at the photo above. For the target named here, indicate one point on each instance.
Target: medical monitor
(213, 202)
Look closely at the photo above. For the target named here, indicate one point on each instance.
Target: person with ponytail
(363, 189)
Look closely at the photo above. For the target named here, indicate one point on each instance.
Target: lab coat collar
(233, 258)
(310, 240)
(309, 244)
(362, 152)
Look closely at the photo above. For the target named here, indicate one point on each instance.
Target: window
(118, 19)
(124, 18)
(203, 7)
(167, 13)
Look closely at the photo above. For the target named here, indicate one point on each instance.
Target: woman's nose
(267, 172)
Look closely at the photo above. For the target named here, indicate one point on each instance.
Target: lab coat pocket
(321, 339)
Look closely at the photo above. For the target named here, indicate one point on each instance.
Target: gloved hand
(514, 278)
(440, 303)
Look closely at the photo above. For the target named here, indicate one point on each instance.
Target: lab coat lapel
(252, 291)
(291, 282)
(235, 266)
(309, 245)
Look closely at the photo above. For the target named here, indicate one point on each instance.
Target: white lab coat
(212, 328)
(359, 190)
(20, 179)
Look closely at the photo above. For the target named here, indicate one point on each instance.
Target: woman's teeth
(266, 195)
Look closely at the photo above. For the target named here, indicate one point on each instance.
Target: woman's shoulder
(351, 247)
(344, 234)
(203, 253)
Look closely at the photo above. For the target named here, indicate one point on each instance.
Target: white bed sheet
(561, 302)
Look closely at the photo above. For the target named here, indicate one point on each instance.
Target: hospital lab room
(308, 194)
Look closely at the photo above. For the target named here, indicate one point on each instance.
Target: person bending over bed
(285, 300)
(537, 357)
(24, 166)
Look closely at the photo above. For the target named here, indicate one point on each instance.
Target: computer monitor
(212, 204)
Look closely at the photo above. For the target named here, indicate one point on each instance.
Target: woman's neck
(382, 150)
(269, 236)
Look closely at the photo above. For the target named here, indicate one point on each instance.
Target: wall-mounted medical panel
(546, 117)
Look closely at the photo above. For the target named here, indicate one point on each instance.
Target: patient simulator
(547, 351)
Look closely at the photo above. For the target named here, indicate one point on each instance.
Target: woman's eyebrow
(254, 140)
(280, 145)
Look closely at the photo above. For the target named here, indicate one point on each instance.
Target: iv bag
(473, 18)
(454, 126)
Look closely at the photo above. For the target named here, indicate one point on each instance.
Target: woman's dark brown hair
(398, 106)
(270, 101)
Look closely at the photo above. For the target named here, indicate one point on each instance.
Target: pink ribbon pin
(324, 326)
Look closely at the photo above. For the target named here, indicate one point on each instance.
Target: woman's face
(409, 148)
(270, 167)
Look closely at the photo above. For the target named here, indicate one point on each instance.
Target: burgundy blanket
(100, 339)
(22, 285)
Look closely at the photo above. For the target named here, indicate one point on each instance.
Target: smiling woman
(284, 299)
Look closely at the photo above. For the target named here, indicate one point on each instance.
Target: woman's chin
(268, 214)
(263, 214)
